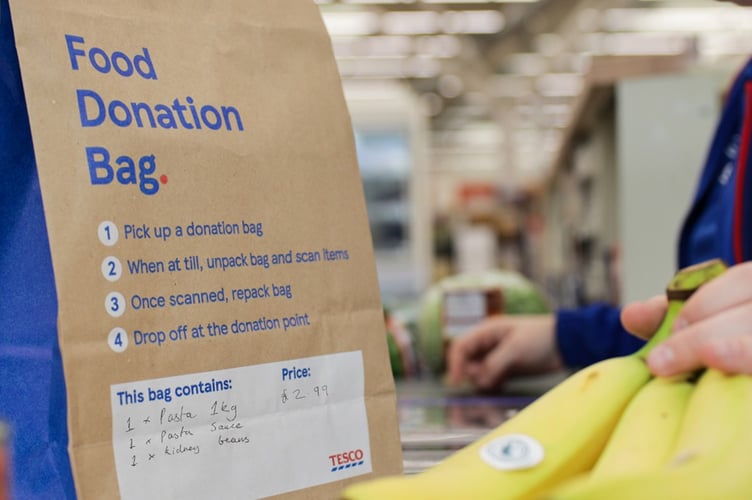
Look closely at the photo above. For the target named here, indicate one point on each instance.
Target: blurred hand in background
(501, 346)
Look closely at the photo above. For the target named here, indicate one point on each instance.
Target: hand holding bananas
(712, 330)
(564, 434)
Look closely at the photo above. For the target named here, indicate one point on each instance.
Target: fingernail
(679, 323)
(661, 358)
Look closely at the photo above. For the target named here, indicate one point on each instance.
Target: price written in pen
(298, 394)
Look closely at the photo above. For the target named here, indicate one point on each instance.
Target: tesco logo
(346, 459)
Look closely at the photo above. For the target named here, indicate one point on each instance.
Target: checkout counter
(436, 420)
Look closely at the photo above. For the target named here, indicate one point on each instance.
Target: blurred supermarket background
(558, 139)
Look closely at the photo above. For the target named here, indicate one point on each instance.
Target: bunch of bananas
(608, 432)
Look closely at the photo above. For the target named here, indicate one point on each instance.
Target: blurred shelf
(583, 213)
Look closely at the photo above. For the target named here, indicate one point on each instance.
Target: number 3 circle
(114, 303)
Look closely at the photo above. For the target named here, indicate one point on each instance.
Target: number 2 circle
(112, 268)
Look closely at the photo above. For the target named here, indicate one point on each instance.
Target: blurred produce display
(454, 304)
(401, 346)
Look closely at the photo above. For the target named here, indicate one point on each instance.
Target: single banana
(646, 433)
(645, 436)
(712, 457)
(558, 436)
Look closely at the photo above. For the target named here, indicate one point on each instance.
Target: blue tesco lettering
(143, 338)
(295, 373)
(126, 170)
(103, 62)
(147, 302)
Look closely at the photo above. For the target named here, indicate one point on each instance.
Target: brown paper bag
(219, 315)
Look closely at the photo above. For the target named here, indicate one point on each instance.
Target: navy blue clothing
(714, 228)
(592, 333)
(32, 390)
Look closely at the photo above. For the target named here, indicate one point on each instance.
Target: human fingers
(729, 354)
(731, 289)
(702, 343)
(644, 317)
(470, 348)
(489, 372)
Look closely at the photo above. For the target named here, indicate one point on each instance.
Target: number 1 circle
(108, 233)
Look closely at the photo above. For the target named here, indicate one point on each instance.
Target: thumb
(643, 318)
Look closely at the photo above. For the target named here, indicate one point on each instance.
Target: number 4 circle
(118, 339)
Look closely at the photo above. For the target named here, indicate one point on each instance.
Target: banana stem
(664, 331)
(680, 288)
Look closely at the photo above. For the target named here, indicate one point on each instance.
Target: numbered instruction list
(250, 263)
(252, 432)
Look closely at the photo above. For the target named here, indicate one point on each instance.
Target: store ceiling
(510, 71)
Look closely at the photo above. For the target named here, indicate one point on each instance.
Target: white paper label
(512, 452)
(470, 304)
(463, 309)
(247, 432)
